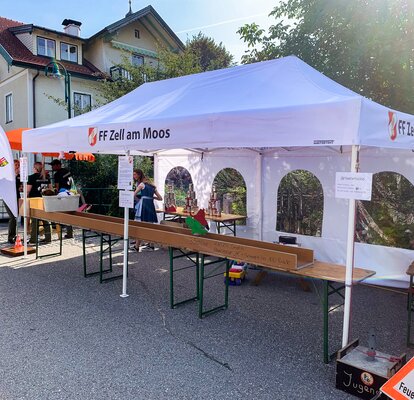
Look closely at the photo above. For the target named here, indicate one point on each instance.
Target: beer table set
(223, 249)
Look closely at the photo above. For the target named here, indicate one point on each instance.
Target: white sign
(125, 169)
(126, 198)
(24, 169)
(401, 385)
(353, 185)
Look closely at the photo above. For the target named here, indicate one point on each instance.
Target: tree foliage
(366, 45)
(98, 181)
(229, 183)
(208, 53)
(300, 204)
(388, 219)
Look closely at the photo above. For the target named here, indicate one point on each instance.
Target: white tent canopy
(273, 104)
(276, 103)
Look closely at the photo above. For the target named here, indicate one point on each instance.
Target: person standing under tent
(145, 193)
(12, 231)
(62, 178)
(35, 183)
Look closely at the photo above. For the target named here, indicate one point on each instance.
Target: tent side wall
(203, 170)
(389, 263)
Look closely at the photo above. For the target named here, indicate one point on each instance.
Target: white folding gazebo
(278, 104)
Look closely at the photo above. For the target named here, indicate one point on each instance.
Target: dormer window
(46, 47)
(68, 52)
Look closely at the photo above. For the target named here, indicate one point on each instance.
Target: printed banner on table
(7, 175)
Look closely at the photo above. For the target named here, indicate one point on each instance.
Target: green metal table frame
(194, 260)
(105, 239)
(230, 225)
(329, 289)
(59, 253)
(410, 309)
(199, 262)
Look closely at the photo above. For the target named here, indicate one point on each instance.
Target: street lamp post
(57, 70)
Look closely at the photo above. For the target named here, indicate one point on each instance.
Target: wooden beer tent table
(292, 260)
(224, 221)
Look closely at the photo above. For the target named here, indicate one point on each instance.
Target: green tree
(366, 45)
(388, 219)
(208, 53)
(300, 204)
(229, 182)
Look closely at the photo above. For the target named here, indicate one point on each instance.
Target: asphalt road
(63, 336)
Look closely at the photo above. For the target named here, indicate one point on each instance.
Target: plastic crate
(63, 203)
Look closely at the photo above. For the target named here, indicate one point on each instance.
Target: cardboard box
(62, 203)
(34, 202)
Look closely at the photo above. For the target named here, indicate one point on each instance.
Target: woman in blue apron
(145, 194)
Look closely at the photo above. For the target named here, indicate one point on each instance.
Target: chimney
(72, 27)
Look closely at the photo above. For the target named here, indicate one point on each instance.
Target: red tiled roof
(21, 54)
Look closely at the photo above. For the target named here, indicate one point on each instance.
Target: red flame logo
(392, 125)
(92, 136)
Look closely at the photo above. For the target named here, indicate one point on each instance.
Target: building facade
(30, 55)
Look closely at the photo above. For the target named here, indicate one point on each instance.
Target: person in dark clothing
(62, 180)
(12, 231)
(145, 193)
(35, 183)
(61, 176)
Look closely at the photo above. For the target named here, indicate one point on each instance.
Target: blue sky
(219, 19)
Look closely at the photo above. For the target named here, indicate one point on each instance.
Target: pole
(25, 217)
(350, 253)
(260, 193)
(67, 83)
(125, 266)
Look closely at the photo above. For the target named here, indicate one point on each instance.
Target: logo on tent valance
(398, 126)
(96, 135)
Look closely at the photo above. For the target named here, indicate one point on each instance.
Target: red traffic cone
(18, 243)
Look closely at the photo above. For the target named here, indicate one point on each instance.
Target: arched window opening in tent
(179, 178)
(300, 204)
(388, 219)
(232, 192)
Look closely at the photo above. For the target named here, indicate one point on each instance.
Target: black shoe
(68, 237)
(45, 241)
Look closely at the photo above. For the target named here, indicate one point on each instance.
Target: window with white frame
(137, 60)
(82, 103)
(68, 52)
(46, 47)
(9, 108)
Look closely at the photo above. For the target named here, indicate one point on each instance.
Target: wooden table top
(330, 272)
(222, 218)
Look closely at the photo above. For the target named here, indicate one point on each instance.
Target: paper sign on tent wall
(353, 185)
(401, 385)
(125, 168)
(24, 169)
